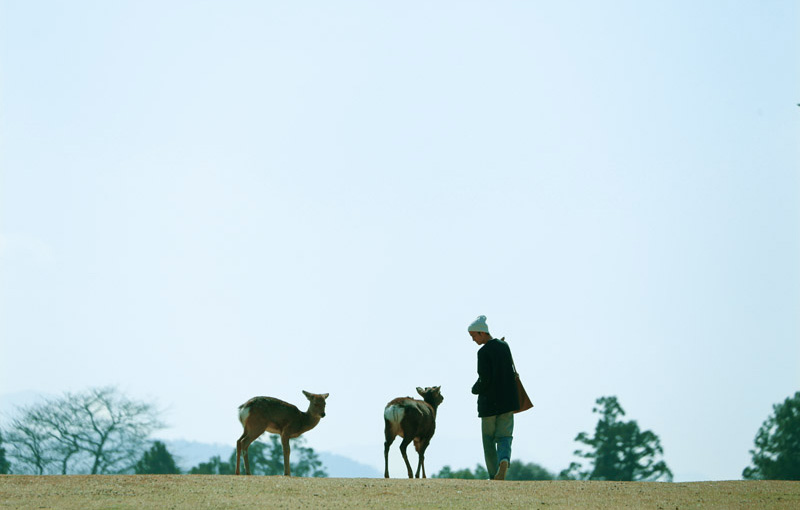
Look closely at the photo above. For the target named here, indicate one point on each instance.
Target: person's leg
(489, 444)
(504, 431)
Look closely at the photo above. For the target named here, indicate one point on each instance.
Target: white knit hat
(479, 324)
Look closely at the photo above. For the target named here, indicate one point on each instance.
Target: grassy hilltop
(187, 491)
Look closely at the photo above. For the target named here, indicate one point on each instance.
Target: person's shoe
(501, 472)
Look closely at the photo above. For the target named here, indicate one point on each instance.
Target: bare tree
(98, 431)
(31, 447)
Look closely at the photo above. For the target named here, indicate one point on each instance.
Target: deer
(270, 414)
(413, 420)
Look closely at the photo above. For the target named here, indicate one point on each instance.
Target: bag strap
(513, 367)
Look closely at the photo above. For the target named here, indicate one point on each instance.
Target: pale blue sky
(206, 201)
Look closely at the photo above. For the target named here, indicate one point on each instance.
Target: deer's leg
(246, 461)
(243, 445)
(238, 453)
(389, 440)
(285, 443)
(241, 450)
(403, 447)
(421, 447)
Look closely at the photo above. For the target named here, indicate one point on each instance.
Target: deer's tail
(244, 412)
(394, 414)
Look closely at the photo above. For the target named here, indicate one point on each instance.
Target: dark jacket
(496, 386)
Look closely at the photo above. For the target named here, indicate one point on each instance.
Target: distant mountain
(339, 466)
(189, 454)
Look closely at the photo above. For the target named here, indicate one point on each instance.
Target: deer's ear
(437, 388)
(307, 394)
(420, 391)
(325, 395)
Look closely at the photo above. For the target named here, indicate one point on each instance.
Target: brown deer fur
(269, 414)
(413, 420)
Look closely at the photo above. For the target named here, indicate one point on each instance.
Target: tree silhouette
(5, 466)
(517, 470)
(463, 474)
(157, 461)
(267, 458)
(777, 444)
(618, 450)
(98, 431)
(214, 466)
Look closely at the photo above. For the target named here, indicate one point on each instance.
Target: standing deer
(413, 420)
(278, 417)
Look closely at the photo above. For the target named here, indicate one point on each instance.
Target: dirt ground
(195, 491)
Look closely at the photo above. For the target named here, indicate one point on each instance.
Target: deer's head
(431, 395)
(317, 407)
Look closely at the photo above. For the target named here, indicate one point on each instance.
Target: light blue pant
(497, 433)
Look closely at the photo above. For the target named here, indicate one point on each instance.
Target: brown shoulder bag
(524, 400)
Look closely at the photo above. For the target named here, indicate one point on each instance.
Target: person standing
(497, 397)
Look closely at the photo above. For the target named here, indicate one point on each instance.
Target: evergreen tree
(519, 470)
(157, 461)
(777, 445)
(5, 466)
(214, 466)
(463, 474)
(618, 450)
(267, 458)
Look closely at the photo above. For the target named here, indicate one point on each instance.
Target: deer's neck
(308, 421)
(434, 406)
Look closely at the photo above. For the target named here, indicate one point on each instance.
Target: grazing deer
(413, 420)
(278, 417)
